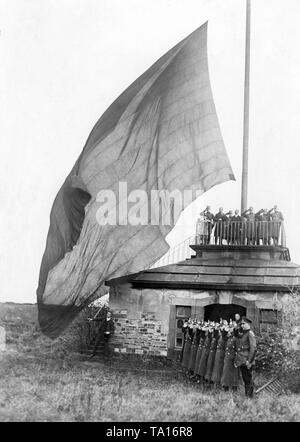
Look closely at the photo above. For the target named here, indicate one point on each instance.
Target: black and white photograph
(149, 232)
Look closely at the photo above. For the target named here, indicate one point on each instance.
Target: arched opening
(214, 312)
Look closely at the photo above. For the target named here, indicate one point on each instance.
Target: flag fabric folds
(161, 133)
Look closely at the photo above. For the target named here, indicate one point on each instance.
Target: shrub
(82, 332)
(278, 352)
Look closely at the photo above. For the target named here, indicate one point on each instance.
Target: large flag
(162, 133)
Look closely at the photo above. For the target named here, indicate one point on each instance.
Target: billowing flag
(161, 134)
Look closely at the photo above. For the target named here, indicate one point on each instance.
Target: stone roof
(225, 267)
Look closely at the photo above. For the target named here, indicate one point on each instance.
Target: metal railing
(240, 233)
(176, 254)
(258, 233)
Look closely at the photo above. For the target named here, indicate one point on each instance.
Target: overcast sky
(64, 61)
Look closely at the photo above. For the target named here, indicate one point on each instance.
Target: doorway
(214, 312)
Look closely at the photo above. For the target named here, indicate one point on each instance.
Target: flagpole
(246, 111)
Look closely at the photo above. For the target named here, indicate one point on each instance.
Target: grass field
(41, 380)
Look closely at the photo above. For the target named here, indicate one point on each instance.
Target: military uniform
(237, 330)
(276, 220)
(230, 375)
(204, 355)
(219, 358)
(199, 351)
(211, 356)
(106, 330)
(193, 354)
(187, 347)
(250, 226)
(184, 330)
(236, 229)
(208, 219)
(262, 227)
(219, 232)
(228, 229)
(245, 348)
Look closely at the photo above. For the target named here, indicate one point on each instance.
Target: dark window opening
(214, 312)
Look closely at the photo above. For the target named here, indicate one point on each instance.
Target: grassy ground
(41, 380)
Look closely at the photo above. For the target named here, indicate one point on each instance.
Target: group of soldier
(262, 227)
(219, 353)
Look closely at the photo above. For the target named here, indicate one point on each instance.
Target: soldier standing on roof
(276, 221)
(236, 222)
(208, 220)
(219, 220)
(245, 347)
(250, 225)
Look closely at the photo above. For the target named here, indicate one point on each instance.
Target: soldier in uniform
(230, 375)
(195, 344)
(187, 345)
(208, 220)
(245, 347)
(250, 225)
(205, 352)
(219, 358)
(228, 228)
(219, 220)
(262, 219)
(106, 330)
(236, 227)
(276, 220)
(199, 351)
(184, 329)
(237, 328)
(212, 355)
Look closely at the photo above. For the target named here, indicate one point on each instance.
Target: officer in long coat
(199, 350)
(187, 345)
(219, 358)
(228, 227)
(276, 221)
(184, 329)
(211, 355)
(105, 332)
(236, 227)
(220, 224)
(262, 221)
(230, 375)
(245, 348)
(250, 225)
(194, 348)
(205, 353)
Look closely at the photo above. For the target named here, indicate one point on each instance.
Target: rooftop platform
(212, 251)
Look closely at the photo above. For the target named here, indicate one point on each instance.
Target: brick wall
(142, 335)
